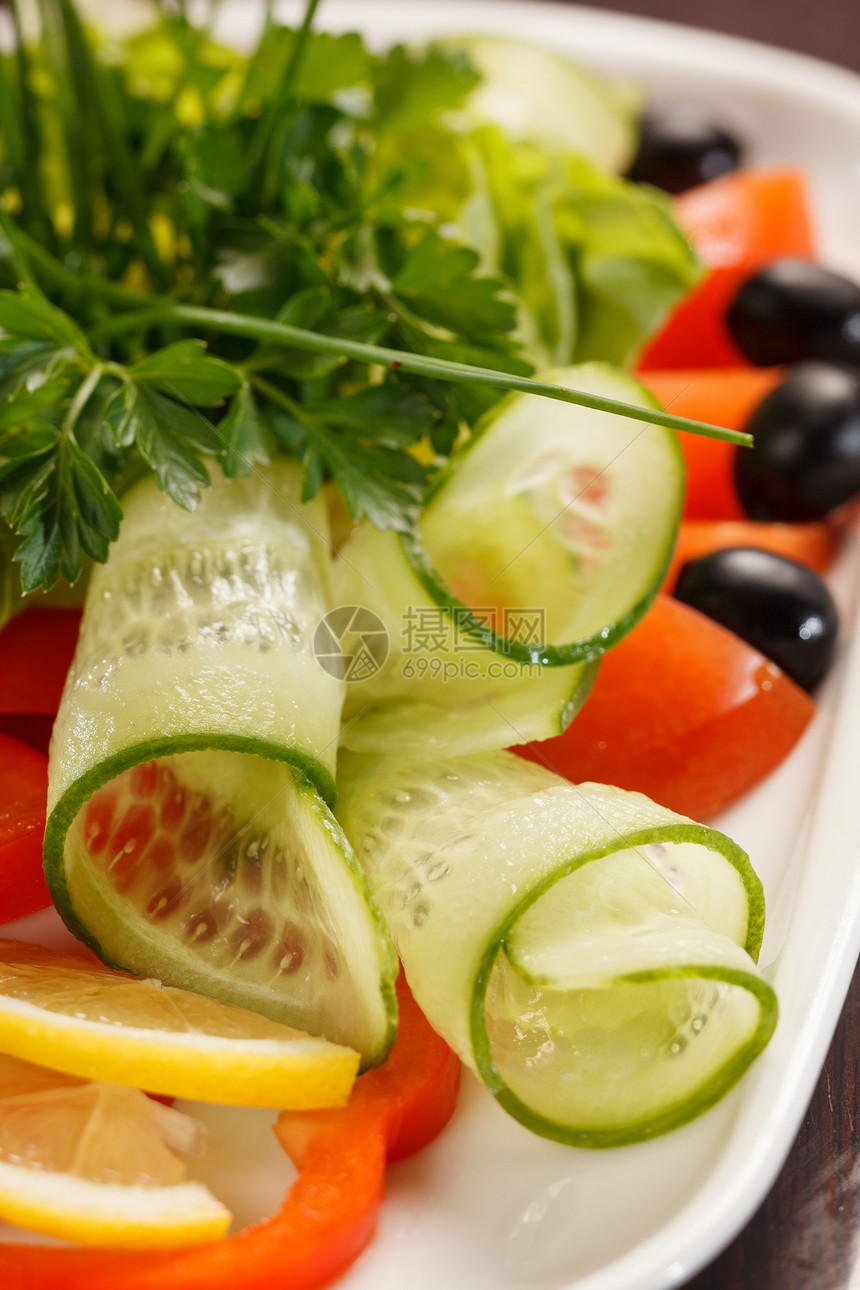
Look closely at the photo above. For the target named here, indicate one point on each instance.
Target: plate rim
(682, 1245)
(679, 1247)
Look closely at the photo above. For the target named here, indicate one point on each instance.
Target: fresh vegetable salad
(354, 407)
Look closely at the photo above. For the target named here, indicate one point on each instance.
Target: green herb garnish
(213, 255)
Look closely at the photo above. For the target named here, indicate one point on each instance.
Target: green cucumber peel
(720, 1082)
(593, 644)
(613, 1010)
(189, 835)
(673, 1117)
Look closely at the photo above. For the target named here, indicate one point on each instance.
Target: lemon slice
(96, 1163)
(93, 1022)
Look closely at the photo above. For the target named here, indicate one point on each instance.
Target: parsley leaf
(21, 406)
(64, 510)
(186, 372)
(170, 438)
(438, 282)
(412, 88)
(380, 483)
(389, 414)
(245, 438)
(160, 188)
(27, 314)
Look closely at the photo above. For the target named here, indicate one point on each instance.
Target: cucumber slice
(440, 691)
(587, 952)
(188, 836)
(536, 94)
(542, 543)
(585, 507)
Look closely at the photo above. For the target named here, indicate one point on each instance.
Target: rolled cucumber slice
(537, 94)
(440, 691)
(542, 543)
(590, 954)
(188, 835)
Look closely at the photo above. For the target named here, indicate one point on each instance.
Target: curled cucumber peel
(590, 954)
(542, 543)
(190, 836)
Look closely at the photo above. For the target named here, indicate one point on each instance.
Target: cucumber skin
(655, 1126)
(720, 1082)
(68, 808)
(464, 1025)
(392, 573)
(277, 527)
(385, 585)
(249, 560)
(591, 647)
(611, 110)
(76, 797)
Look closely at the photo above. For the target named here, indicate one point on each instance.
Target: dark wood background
(805, 1235)
(827, 29)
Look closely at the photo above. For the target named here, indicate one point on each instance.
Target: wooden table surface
(827, 29)
(805, 1235)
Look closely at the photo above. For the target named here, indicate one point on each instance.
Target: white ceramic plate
(489, 1206)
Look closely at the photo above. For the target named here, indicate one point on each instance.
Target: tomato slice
(23, 804)
(814, 545)
(683, 711)
(736, 224)
(724, 397)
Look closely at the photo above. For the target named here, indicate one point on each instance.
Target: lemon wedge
(96, 1163)
(93, 1022)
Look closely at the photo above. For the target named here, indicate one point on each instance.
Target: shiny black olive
(794, 309)
(778, 606)
(680, 146)
(805, 460)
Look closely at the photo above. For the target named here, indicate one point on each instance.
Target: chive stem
(221, 320)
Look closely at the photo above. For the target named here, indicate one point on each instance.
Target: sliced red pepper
(23, 803)
(814, 544)
(736, 224)
(724, 397)
(36, 652)
(683, 711)
(329, 1213)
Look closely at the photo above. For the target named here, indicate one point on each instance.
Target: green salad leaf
(309, 248)
(598, 261)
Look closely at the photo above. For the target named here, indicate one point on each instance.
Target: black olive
(805, 459)
(680, 146)
(794, 309)
(779, 607)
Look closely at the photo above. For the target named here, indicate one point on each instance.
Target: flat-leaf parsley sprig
(213, 256)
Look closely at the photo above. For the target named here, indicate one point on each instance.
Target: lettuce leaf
(597, 261)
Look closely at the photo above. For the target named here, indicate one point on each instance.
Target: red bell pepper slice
(724, 397)
(814, 544)
(736, 224)
(329, 1213)
(683, 711)
(23, 803)
(36, 652)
